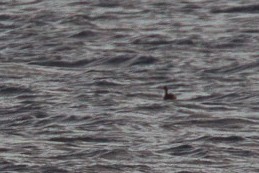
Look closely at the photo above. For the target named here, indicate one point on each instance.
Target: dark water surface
(81, 86)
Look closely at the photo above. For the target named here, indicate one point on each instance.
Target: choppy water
(81, 86)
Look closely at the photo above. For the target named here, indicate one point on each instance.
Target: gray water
(81, 86)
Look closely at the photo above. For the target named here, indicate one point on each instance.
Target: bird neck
(166, 91)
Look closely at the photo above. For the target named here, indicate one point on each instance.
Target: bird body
(168, 96)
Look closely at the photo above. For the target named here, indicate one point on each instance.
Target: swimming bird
(168, 96)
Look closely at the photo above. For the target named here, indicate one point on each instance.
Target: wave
(253, 8)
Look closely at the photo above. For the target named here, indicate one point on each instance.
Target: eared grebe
(168, 96)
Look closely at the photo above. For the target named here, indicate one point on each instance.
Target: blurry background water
(81, 86)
